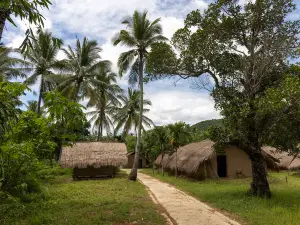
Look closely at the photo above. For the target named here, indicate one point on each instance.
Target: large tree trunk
(133, 173)
(40, 96)
(259, 185)
(4, 14)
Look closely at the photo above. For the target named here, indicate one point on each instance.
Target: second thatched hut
(200, 161)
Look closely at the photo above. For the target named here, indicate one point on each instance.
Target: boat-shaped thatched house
(284, 160)
(200, 161)
(94, 159)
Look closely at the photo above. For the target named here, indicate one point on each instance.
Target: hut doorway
(140, 163)
(222, 165)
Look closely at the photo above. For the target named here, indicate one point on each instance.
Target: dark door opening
(222, 165)
(140, 163)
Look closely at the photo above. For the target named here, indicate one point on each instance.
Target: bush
(23, 152)
(54, 171)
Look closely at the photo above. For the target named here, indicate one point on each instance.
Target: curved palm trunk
(40, 96)
(133, 173)
(4, 14)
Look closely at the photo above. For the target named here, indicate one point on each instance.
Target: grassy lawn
(229, 196)
(112, 201)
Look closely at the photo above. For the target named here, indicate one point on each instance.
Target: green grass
(229, 196)
(111, 201)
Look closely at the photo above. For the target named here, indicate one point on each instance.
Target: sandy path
(182, 208)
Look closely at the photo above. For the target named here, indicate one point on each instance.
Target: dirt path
(182, 208)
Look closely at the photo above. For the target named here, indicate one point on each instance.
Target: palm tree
(178, 135)
(140, 34)
(42, 55)
(101, 117)
(162, 138)
(82, 64)
(107, 97)
(32, 106)
(127, 116)
(11, 67)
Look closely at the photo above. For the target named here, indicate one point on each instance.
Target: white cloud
(171, 25)
(169, 106)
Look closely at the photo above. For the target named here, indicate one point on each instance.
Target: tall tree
(139, 36)
(11, 67)
(107, 97)
(42, 55)
(81, 65)
(245, 50)
(127, 116)
(24, 9)
(101, 117)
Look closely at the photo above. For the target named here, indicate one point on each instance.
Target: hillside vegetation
(204, 125)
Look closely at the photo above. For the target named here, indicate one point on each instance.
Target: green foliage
(51, 172)
(11, 67)
(139, 36)
(23, 152)
(42, 55)
(206, 124)
(161, 58)
(127, 115)
(281, 104)
(33, 129)
(9, 100)
(108, 95)
(24, 9)
(68, 119)
(81, 70)
(130, 141)
(179, 134)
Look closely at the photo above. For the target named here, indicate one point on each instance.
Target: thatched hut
(94, 159)
(143, 162)
(284, 160)
(199, 160)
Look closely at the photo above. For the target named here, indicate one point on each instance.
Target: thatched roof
(285, 161)
(96, 154)
(190, 156)
(162, 160)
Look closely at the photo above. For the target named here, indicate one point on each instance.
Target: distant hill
(204, 125)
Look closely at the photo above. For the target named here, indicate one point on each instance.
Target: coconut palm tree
(11, 67)
(42, 55)
(81, 65)
(138, 36)
(107, 97)
(101, 117)
(32, 105)
(127, 116)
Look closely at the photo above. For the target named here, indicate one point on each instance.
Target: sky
(100, 20)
